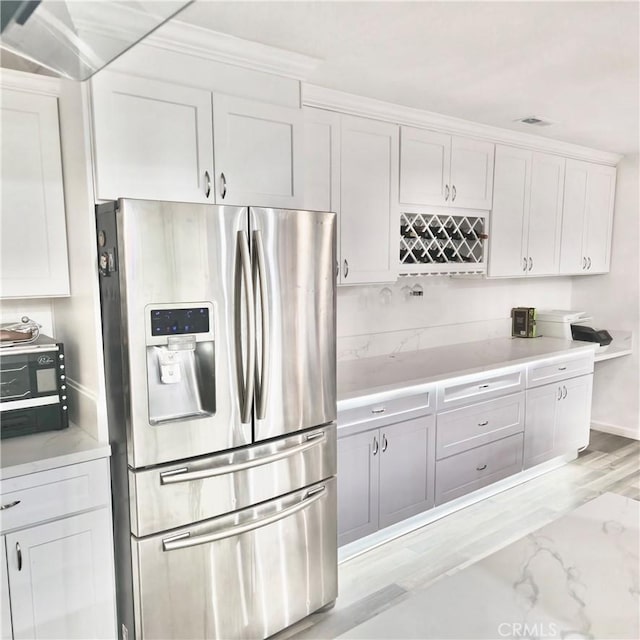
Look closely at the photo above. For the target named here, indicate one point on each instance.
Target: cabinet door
(545, 214)
(358, 471)
(369, 217)
(574, 414)
(33, 240)
(153, 140)
(61, 578)
(471, 178)
(599, 217)
(540, 424)
(572, 257)
(425, 159)
(258, 153)
(321, 160)
(5, 603)
(407, 464)
(509, 217)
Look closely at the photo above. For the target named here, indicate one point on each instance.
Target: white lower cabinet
(557, 419)
(57, 554)
(384, 475)
(61, 578)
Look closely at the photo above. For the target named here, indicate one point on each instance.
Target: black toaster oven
(33, 388)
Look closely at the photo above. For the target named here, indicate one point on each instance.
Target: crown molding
(333, 100)
(31, 82)
(188, 39)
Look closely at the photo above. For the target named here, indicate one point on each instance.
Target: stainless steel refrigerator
(219, 336)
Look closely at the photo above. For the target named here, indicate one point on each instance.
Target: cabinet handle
(9, 505)
(223, 190)
(345, 268)
(19, 554)
(559, 393)
(375, 446)
(588, 263)
(483, 386)
(207, 182)
(446, 192)
(584, 263)
(562, 368)
(524, 264)
(380, 410)
(385, 444)
(484, 423)
(530, 263)
(453, 193)
(482, 468)
(337, 269)
(564, 392)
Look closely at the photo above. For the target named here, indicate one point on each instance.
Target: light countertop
(388, 373)
(48, 450)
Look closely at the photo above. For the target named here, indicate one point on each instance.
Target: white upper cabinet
(258, 152)
(527, 213)
(587, 218)
(369, 215)
(33, 240)
(152, 140)
(439, 169)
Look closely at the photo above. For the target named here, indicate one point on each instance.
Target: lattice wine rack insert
(445, 243)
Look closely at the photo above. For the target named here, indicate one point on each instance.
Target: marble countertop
(48, 450)
(380, 374)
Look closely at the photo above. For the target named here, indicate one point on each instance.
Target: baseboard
(616, 430)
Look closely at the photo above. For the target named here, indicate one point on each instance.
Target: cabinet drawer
(54, 494)
(471, 470)
(561, 368)
(385, 411)
(474, 388)
(463, 429)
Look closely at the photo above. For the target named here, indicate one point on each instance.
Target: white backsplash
(380, 319)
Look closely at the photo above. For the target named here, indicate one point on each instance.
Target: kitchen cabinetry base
(357, 547)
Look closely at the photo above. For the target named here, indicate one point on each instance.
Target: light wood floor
(380, 578)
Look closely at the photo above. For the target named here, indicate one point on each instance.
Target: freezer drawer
(243, 575)
(176, 495)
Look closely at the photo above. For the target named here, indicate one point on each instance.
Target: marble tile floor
(381, 590)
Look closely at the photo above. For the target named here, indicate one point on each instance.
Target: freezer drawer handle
(185, 540)
(184, 475)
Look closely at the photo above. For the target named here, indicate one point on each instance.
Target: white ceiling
(573, 63)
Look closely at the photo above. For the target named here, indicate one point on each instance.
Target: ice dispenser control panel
(169, 322)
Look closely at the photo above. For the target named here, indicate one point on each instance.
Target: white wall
(376, 320)
(614, 302)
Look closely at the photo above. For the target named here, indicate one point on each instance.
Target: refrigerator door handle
(184, 540)
(246, 377)
(260, 284)
(184, 475)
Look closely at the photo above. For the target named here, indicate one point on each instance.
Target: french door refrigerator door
(187, 313)
(294, 258)
(247, 574)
